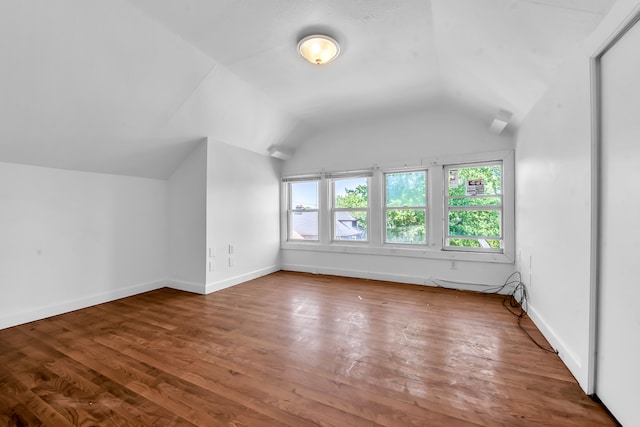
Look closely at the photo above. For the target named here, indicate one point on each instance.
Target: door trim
(596, 148)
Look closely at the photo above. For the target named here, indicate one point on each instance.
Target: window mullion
(376, 203)
(436, 193)
(325, 212)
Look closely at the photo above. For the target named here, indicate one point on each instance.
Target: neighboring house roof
(345, 216)
(346, 230)
(305, 225)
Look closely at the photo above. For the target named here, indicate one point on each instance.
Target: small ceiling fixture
(280, 152)
(318, 49)
(500, 122)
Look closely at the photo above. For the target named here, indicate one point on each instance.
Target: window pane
(350, 225)
(406, 189)
(475, 223)
(303, 226)
(475, 180)
(350, 193)
(304, 195)
(406, 226)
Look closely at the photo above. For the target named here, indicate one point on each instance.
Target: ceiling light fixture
(318, 49)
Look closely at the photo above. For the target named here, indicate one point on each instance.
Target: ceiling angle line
(555, 6)
(195, 89)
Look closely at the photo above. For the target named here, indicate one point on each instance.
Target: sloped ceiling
(129, 87)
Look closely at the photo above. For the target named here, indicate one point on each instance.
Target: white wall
(74, 239)
(406, 138)
(553, 216)
(187, 212)
(222, 195)
(553, 203)
(243, 210)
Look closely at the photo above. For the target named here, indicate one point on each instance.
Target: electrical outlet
(231, 249)
(231, 261)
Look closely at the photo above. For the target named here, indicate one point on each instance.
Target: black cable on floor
(517, 306)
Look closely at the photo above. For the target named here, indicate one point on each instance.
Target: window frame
(386, 208)
(290, 210)
(448, 208)
(436, 185)
(332, 179)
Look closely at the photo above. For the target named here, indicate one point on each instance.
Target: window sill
(399, 251)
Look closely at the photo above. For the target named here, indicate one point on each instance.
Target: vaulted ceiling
(129, 87)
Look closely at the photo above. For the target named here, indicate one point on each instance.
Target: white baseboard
(236, 280)
(388, 277)
(100, 298)
(358, 274)
(195, 288)
(570, 359)
(77, 304)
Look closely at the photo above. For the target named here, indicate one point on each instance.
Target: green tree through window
(405, 207)
(475, 206)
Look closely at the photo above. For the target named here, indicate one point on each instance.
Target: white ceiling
(128, 87)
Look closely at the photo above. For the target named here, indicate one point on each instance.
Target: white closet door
(618, 359)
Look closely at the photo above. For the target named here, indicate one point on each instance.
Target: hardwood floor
(289, 349)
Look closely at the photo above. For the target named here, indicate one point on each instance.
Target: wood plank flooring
(289, 349)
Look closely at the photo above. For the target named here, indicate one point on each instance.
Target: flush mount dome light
(318, 49)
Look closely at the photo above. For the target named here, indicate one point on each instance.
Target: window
(457, 207)
(350, 210)
(405, 210)
(303, 210)
(474, 205)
